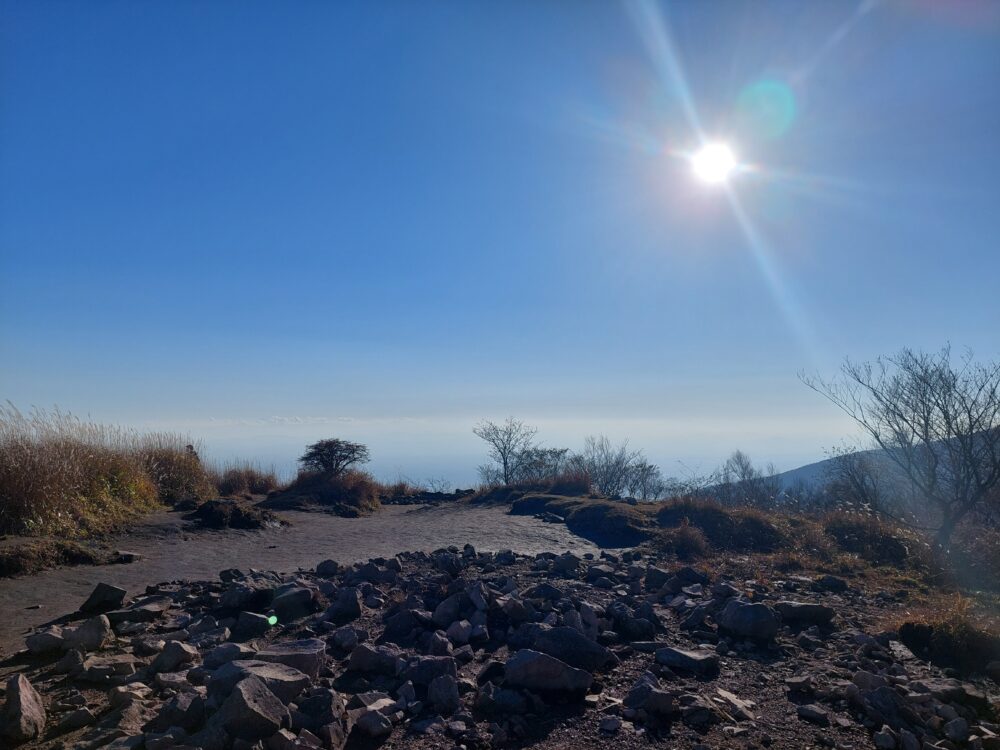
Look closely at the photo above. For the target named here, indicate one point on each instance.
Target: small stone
(610, 724)
(813, 713)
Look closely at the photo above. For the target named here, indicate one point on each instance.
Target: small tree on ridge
(333, 456)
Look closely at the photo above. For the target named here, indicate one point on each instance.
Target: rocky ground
(467, 649)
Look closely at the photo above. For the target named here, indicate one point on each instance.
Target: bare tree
(608, 466)
(855, 481)
(538, 464)
(742, 483)
(940, 424)
(508, 442)
(333, 456)
(645, 481)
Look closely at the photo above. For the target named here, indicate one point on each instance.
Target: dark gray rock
(442, 692)
(285, 682)
(307, 656)
(346, 607)
(697, 661)
(251, 711)
(103, 598)
(749, 620)
(375, 660)
(804, 612)
(573, 647)
(534, 670)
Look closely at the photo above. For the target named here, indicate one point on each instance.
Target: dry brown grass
(62, 475)
(952, 630)
(353, 493)
(242, 477)
(737, 529)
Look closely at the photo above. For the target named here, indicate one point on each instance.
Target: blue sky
(263, 224)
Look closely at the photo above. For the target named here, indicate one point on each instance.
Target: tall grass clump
(62, 475)
(244, 478)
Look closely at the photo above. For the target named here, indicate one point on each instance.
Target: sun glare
(713, 163)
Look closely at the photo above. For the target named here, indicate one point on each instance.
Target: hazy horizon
(387, 222)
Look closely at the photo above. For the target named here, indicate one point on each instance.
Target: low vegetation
(24, 559)
(62, 475)
(239, 478)
(350, 494)
(233, 514)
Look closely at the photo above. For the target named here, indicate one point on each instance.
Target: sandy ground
(172, 549)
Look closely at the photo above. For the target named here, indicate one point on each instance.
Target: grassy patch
(351, 494)
(32, 557)
(244, 478)
(61, 475)
(869, 537)
(736, 529)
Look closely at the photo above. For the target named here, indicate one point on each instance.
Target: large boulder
(573, 647)
(23, 715)
(534, 670)
(748, 620)
(378, 660)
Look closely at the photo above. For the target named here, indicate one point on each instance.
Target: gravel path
(171, 549)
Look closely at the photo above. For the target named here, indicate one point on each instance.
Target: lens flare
(713, 163)
(767, 108)
(272, 620)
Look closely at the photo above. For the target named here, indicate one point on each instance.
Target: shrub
(687, 542)
(868, 536)
(352, 493)
(245, 478)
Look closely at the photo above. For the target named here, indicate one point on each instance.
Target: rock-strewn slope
(458, 648)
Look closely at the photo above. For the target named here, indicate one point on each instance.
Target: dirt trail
(171, 550)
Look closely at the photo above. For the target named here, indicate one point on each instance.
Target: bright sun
(713, 163)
